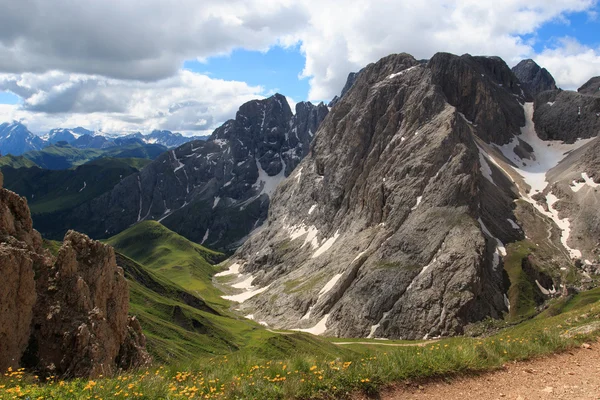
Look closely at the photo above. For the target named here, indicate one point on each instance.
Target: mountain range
(431, 195)
(16, 139)
(436, 194)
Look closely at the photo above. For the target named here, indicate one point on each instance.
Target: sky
(187, 65)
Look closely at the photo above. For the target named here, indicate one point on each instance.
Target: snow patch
(84, 186)
(327, 245)
(330, 284)
(392, 76)
(242, 297)
(266, 183)
(563, 224)
(216, 202)
(318, 329)
(513, 224)
(312, 208)
(485, 168)
(205, 238)
(234, 269)
(419, 198)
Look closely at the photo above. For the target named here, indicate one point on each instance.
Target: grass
(522, 291)
(51, 191)
(302, 366)
(62, 156)
(172, 256)
(16, 162)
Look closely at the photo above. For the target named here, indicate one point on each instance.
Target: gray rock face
(388, 228)
(591, 87)
(485, 90)
(566, 115)
(352, 76)
(217, 191)
(534, 78)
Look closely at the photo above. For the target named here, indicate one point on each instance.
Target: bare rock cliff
(66, 316)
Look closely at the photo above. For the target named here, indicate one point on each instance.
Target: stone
(534, 78)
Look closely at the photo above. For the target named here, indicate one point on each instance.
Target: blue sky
(277, 70)
(584, 26)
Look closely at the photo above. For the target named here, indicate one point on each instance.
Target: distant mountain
(166, 138)
(213, 192)
(534, 78)
(16, 139)
(85, 139)
(64, 156)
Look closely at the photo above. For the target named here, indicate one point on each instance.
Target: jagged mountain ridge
(534, 78)
(16, 139)
(394, 225)
(213, 192)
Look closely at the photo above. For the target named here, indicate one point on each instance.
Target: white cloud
(132, 39)
(571, 63)
(343, 36)
(187, 102)
(117, 64)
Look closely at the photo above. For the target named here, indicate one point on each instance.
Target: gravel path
(570, 375)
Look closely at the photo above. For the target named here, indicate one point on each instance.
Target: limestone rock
(591, 87)
(213, 192)
(387, 228)
(80, 318)
(534, 78)
(20, 255)
(65, 316)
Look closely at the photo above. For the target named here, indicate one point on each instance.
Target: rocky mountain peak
(591, 87)
(484, 90)
(382, 220)
(217, 191)
(534, 78)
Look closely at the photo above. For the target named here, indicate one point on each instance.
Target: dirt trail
(422, 344)
(571, 375)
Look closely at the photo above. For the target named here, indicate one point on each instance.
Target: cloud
(143, 40)
(337, 43)
(116, 64)
(188, 101)
(570, 62)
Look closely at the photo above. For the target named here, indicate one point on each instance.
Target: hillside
(182, 314)
(64, 156)
(214, 192)
(16, 162)
(172, 256)
(50, 192)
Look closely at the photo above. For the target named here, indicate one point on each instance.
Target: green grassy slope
(163, 251)
(16, 162)
(50, 191)
(62, 156)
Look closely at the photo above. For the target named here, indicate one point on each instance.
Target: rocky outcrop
(389, 228)
(20, 255)
(566, 115)
(484, 90)
(213, 192)
(591, 87)
(81, 322)
(65, 316)
(533, 78)
(349, 82)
